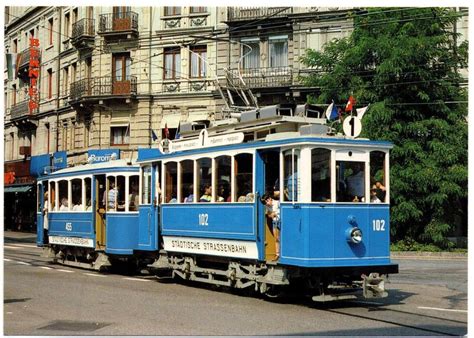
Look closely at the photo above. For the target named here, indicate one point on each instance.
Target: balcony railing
(263, 77)
(84, 28)
(252, 13)
(118, 22)
(102, 86)
(20, 110)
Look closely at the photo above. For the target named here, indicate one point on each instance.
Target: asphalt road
(427, 298)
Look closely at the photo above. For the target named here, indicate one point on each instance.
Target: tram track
(396, 323)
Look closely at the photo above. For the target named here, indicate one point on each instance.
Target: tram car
(264, 199)
(88, 214)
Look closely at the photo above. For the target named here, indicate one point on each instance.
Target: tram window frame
(173, 188)
(208, 180)
(377, 169)
(219, 180)
(87, 192)
(186, 185)
(341, 184)
(326, 165)
(62, 196)
(38, 197)
(295, 154)
(238, 186)
(145, 186)
(52, 203)
(132, 181)
(76, 190)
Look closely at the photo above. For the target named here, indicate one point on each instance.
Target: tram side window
(378, 183)
(133, 193)
(38, 197)
(76, 186)
(52, 197)
(204, 175)
(223, 181)
(88, 187)
(187, 177)
(291, 179)
(171, 182)
(120, 197)
(350, 181)
(111, 193)
(243, 178)
(320, 175)
(63, 195)
(146, 184)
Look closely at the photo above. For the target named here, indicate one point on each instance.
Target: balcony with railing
(23, 62)
(120, 23)
(21, 111)
(253, 13)
(83, 32)
(102, 87)
(262, 77)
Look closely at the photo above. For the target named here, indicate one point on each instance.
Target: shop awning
(23, 188)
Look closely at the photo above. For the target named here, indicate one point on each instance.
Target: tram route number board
(352, 126)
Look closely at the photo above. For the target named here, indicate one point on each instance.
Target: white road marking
(12, 247)
(62, 270)
(439, 309)
(94, 275)
(7, 260)
(366, 302)
(46, 268)
(24, 245)
(24, 263)
(9, 313)
(136, 279)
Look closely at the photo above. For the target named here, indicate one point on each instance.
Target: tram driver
(355, 183)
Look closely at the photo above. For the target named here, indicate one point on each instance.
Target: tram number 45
(203, 219)
(69, 226)
(378, 225)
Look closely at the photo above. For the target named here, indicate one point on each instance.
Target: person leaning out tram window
(379, 192)
(272, 211)
(207, 194)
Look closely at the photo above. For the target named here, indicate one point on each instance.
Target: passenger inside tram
(64, 205)
(190, 197)
(133, 196)
(88, 204)
(207, 193)
(77, 204)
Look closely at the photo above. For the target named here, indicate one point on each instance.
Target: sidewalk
(17, 236)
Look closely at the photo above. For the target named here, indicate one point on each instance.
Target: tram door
(99, 212)
(270, 185)
(39, 213)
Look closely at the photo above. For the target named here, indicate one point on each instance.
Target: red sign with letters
(33, 74)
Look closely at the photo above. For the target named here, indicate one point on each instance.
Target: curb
(428, 255)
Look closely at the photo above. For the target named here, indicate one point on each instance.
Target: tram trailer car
(88, 214)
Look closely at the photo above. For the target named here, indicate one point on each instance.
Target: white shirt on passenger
(77, 207)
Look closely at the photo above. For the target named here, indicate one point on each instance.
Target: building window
(122, 12)
(198, 61)
(50, 30)
(15, 46)
(88, 64)
(73, 72)
(172, 11)
(67, 23)
(13, 95)
(50, 83)
(172, 63)
(119, 136)
(65, 80)
(121, 66)
(278, 51)
(198, 9)
(251, 53)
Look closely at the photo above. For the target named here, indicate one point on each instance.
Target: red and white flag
(350, 104)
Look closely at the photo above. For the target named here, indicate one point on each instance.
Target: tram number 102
(203, 219)
(378, 225)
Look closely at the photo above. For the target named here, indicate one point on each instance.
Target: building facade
(113, 79)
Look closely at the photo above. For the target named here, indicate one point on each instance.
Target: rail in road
(408, 310)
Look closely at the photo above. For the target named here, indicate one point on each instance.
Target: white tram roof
(114, 165)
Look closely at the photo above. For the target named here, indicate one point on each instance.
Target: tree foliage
(406, 62)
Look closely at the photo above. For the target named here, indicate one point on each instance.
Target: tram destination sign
(213, 247)
(75, 241)
(203, 141)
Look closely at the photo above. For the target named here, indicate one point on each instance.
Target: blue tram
(75, 205)
(201, 216)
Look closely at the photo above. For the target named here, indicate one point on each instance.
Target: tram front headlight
(354, 235)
